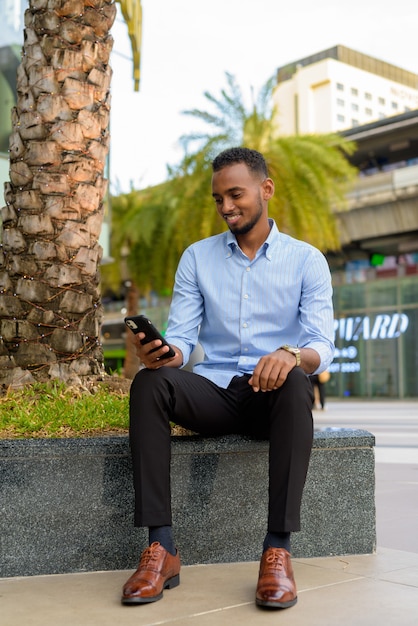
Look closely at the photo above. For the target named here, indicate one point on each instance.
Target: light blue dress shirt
(241, 309)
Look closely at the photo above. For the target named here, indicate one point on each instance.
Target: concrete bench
(67, 504)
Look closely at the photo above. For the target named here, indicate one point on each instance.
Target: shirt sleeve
(316, 309)
(186, 310)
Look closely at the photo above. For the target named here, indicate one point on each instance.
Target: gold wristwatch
(292, 350)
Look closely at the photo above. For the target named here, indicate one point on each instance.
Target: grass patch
(55, 410)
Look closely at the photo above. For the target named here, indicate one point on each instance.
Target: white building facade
(338, 89)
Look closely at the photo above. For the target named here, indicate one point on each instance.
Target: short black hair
(253, 160)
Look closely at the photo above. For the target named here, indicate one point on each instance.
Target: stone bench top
(119, 445)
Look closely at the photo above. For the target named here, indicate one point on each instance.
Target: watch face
(292, 349)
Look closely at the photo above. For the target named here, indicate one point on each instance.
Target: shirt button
(245, 325)
(248, 269)
(246, 296)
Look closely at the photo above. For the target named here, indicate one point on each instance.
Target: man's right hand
(152, 360)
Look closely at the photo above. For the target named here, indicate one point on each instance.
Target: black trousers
(283, 417)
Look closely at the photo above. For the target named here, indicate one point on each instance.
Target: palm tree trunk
(50, 306)
(131, 363)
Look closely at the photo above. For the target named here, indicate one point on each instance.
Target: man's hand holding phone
(151, 347)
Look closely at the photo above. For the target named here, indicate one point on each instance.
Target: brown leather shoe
(276, 586)
(157, 570)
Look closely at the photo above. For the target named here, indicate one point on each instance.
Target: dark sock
(277, 540)
(164, 536)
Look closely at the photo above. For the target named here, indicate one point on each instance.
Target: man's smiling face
(239, 197)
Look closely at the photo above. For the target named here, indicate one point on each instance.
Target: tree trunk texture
(50, 307)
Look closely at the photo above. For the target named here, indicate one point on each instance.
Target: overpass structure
(375, 274)
(382, 215)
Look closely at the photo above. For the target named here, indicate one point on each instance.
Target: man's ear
(268, 189)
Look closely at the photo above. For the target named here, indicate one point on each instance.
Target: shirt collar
(273, 237)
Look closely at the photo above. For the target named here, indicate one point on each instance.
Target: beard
(245, 228)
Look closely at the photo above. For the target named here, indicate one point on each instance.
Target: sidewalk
(345, 591)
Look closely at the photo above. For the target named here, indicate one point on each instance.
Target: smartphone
(141, 324)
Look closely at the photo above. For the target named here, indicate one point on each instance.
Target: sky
(188, 45)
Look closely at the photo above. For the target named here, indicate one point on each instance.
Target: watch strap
(293, 350)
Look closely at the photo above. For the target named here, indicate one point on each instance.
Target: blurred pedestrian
(319, 382)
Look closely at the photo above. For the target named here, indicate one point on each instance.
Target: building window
(368, 111)
(340, 87)
(341, 118)
(382, 116)
(368, 95)
(354, 91)
(354, 107)
(354, 122)
(382, 101)
(340, 102)
(395, 105)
